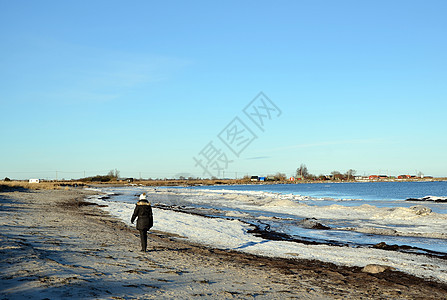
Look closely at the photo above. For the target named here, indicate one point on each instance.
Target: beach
(54, 244)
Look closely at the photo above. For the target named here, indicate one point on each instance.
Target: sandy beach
(56, 245)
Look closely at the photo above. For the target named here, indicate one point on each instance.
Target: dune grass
(14, 185)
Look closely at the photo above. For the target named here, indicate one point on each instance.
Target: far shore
(61, 184)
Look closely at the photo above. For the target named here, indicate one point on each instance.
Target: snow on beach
(233, 234)
(416, 220)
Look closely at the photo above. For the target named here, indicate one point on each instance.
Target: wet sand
(55, 245)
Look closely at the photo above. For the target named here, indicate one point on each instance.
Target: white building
(34, 181)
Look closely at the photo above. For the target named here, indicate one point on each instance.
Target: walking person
(143, 211)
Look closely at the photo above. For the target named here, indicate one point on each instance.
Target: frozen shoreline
(233, 234)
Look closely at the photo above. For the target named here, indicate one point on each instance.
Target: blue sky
(145, 86)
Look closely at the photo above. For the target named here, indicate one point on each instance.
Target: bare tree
(350, 173)
(114, 174)
(302, 171)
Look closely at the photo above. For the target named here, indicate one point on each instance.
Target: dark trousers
(143, 237)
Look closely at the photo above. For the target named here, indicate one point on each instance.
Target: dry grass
(14, 185)
(172, 182)
(179, 182)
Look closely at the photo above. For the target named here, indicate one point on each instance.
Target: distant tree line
(113, 175)
(303, 173)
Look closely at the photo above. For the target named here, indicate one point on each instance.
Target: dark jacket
(143, 211)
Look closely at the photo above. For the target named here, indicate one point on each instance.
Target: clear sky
(152, 87)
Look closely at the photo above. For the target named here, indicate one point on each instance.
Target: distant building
(254, 178)
(34, 181)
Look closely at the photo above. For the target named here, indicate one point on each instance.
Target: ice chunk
(421, 210)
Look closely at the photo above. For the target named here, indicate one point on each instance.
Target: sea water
(380, 194)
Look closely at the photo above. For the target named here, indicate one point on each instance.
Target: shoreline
(238, 232)
(60, 184)
(79, 250)
(267, 234)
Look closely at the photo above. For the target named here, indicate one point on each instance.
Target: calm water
(379, 194)
(359, 190)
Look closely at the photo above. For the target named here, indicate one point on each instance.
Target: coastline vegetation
(67, 184)
(113, 178)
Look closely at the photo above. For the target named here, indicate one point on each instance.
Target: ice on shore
(233, 234)
(429, 198)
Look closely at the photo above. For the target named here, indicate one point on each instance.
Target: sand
(55, 245)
